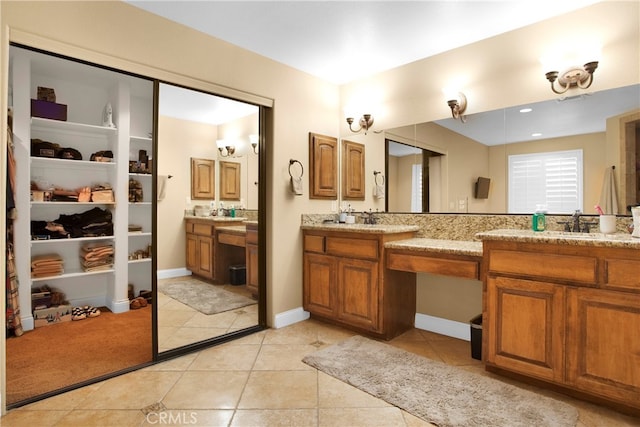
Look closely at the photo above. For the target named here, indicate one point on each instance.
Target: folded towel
(296, 186)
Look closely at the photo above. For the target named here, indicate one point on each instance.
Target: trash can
(238, 274)
(476, 337)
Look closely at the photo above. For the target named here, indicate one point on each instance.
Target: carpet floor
(52, 357)
(440, 394)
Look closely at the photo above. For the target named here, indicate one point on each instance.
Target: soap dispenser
(538, 222)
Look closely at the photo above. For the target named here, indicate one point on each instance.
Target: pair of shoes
(136, 303)
(146, 295)
(79, 313)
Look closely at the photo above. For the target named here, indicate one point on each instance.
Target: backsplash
(465, 226)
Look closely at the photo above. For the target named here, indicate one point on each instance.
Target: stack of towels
(46, 265)
(96, 257)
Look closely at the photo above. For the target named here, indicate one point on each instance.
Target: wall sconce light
(573, 77)
(366, 121)
(225, 148)
(254, 143)
(458, 107)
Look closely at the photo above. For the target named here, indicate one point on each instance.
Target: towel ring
(291, 162)
(375, 177)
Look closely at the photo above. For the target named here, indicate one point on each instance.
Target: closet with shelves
(73, 229)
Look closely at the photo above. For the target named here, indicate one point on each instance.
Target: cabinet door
(192, 253)
(205, 256)
(202, 179)
(603, 343)
(319, 296)
(352, 170)
(358, 293)
(229, 181)
(252, 268)
(526, 326)
(323, 161)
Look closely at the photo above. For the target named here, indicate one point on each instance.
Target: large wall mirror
(202, 250)
(453, 155)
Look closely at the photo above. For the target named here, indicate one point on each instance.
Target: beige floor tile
(413, 421)
(175, 318)
(226, 357)
(185, 336)
(298, 333)
(411, 335)
(333, 393)
(219, 320)
(244, 320)
(69, 400)
(206, 390)
(275, 418)
(135, 390)
(283, 357)
(191, 417)
(181, 363)
(365, 417)
(25, 418)
(454, 352)
(171, 304)
(102, 418)
(280, 390)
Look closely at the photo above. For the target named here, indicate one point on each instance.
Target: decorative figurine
(107, 116)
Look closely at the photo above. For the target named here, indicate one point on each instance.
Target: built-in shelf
(139, 261)
(75, 239)
(45, 162)
(71, 203)
(58, 125)
(140, 139)
(72, 274)
(138, 234)
(139, 203)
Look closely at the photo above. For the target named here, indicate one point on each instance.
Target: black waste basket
(476, 337)
(238, 274)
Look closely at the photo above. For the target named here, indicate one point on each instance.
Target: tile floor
(179, 324)
(257, 380)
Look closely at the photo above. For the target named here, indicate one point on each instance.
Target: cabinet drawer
(580, 269)
(622, 273)
(424, 264)
(203, 229)
(252, 237)
(188, 227)
(314, 243)
(352, 248)
(231, 239)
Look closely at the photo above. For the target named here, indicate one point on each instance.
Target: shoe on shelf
(77, 313)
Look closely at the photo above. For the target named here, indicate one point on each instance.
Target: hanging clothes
(12, 308)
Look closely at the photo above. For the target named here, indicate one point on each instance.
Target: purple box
(48, 110)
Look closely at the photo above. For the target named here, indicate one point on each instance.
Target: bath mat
(204, 297)
(438, 393)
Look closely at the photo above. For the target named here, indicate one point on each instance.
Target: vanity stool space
(345, 280)
(565, 310)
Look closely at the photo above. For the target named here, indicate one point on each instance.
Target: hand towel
(162, 184)
(609, 193)
(378, 191)
(296, 186)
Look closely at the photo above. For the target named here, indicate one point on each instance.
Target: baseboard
(121, 306)
(173, 272)
(290, 317)
(27, 323)
(441, 326)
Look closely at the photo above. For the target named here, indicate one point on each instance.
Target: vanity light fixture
(366, 121)
(253, 138)
(581, 77)
(225, 148)
(458, 107)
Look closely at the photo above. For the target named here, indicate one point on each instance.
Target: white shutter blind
(552, 179)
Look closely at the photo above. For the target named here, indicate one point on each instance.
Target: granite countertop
(616, 240)
(456, 247)
(240, 230)
(362, 228)
(217, 218)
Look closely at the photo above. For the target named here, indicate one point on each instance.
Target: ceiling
(341, 41)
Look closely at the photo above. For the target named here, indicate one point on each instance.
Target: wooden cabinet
(565, 314)
(353, 179)
(202, 179)
(200, 249)
(229, 181)
(251, 256)
(323, 161)
(345, 282)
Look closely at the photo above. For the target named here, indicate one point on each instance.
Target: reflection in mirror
(603, 126)
(202, 244)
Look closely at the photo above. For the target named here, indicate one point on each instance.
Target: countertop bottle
(538, 222)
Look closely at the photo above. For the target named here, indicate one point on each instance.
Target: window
(552, 179)
(416, 187)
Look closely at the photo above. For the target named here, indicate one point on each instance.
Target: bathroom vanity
(564, 308)
(345, 280)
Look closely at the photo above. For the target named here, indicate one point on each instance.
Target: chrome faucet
(576, 221)
(368, 218)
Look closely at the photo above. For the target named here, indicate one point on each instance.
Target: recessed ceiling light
(526, 110)
(536, 134)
